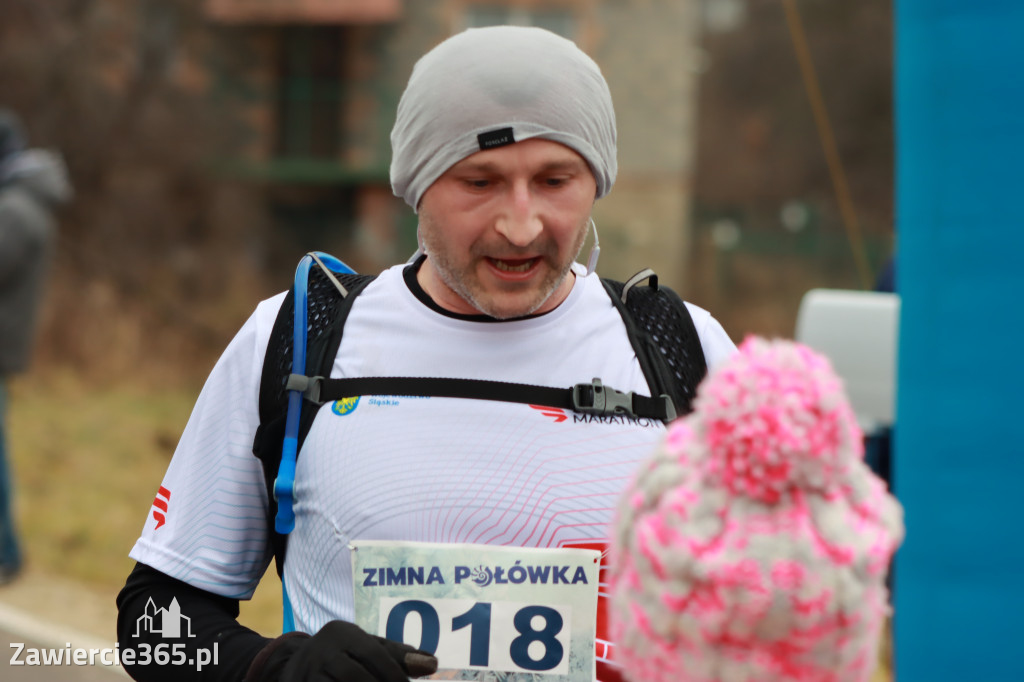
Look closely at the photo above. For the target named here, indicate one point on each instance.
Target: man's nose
(519, 221)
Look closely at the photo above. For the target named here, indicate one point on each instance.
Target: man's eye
(478, 183)
(554, 182)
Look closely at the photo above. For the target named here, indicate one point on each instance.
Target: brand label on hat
(495, 138)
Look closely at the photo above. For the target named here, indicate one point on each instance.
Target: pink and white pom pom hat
(753, 546)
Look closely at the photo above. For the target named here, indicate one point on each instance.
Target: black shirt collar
(409, 274)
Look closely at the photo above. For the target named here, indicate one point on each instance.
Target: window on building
(310, 92)
(557, 20)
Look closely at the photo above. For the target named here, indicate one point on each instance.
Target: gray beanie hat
(488, 87)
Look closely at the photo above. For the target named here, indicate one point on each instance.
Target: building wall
(645, 49)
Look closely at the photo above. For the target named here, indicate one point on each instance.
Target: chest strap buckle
(596, 398)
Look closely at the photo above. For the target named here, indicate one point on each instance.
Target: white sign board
(528, 613)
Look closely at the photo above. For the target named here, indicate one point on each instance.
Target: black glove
(340, 652)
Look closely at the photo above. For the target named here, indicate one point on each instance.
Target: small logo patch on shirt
(345, 406)
(161, 502)
(495, 138)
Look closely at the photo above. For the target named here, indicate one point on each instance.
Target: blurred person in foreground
(33, 183)
(753, 545)
(504, 139)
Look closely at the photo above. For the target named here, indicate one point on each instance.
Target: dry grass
(87, 464)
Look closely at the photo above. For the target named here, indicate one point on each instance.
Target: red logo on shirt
(160, 502)
(555, 413)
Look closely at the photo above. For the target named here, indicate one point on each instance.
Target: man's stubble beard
(463, 279)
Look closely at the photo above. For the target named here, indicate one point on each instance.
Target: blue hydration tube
(284, 484)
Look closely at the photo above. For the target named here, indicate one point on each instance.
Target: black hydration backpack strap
(661, 332)
(327, 312)
(657, 322)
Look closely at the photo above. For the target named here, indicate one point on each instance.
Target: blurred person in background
(33, 183)
(754, 544)
(505, 138)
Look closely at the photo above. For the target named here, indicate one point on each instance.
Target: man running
(505, 138)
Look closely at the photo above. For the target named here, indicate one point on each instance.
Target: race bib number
(520, 611)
